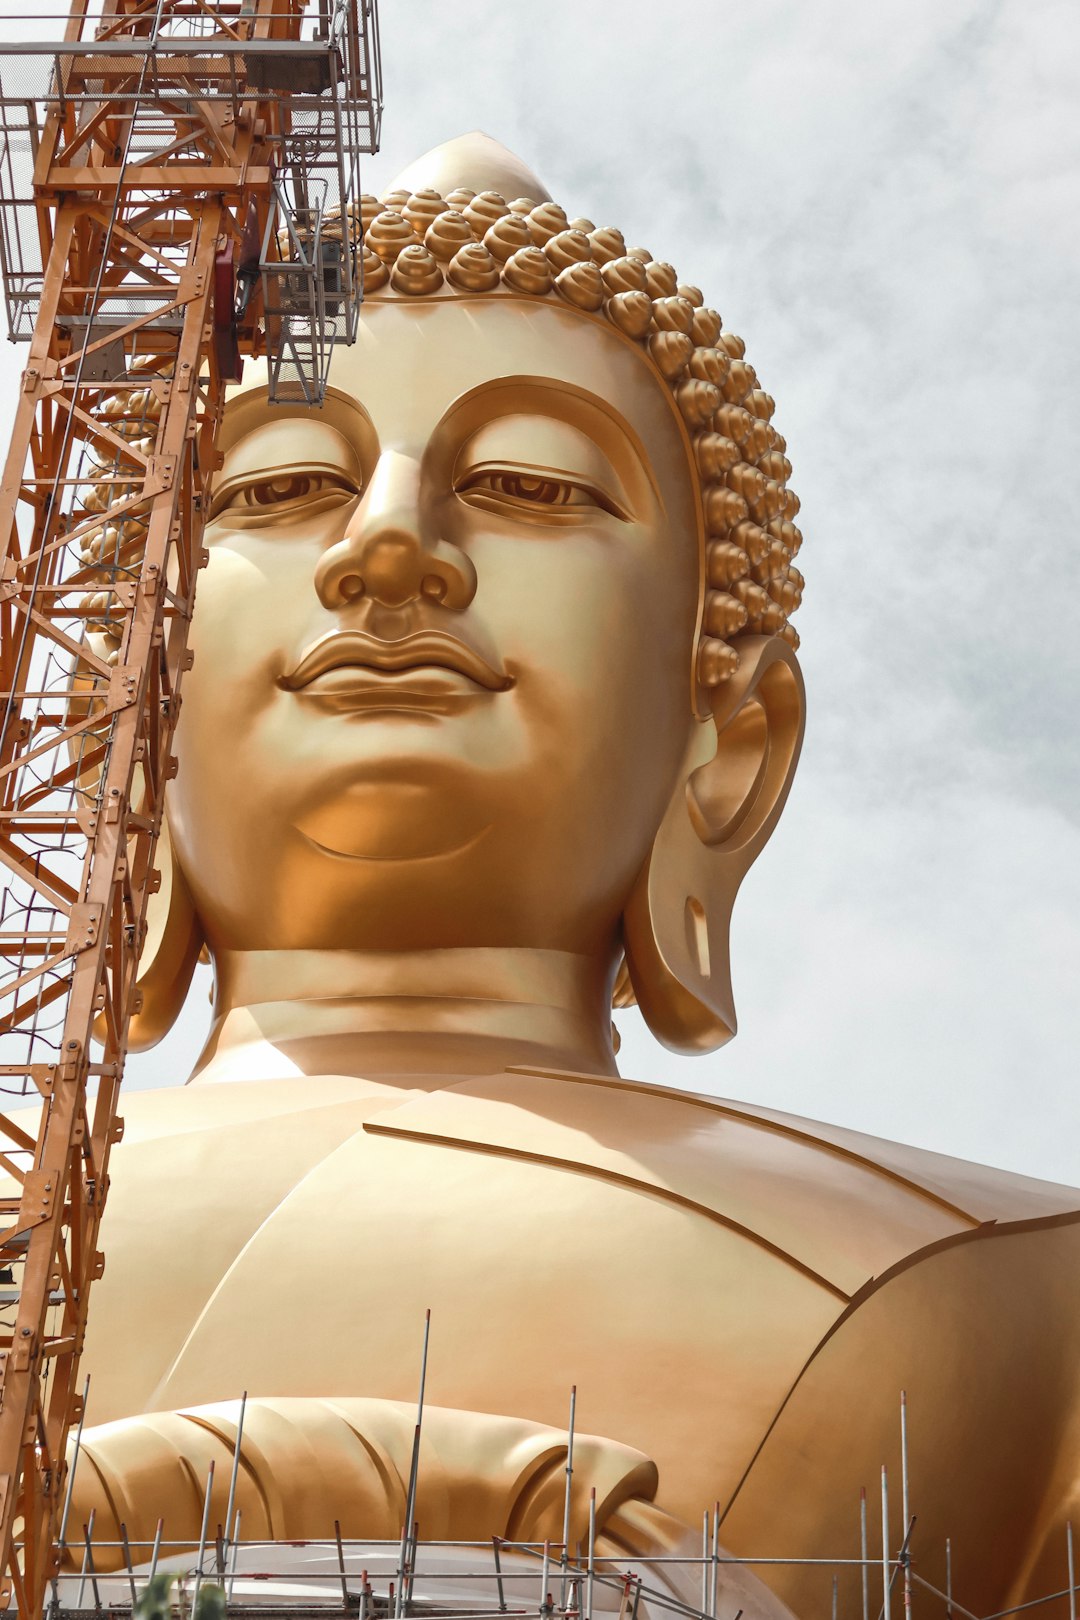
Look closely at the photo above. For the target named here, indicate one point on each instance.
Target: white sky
(884, 200)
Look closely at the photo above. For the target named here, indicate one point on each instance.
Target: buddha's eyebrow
(586, 413)
(251, 416)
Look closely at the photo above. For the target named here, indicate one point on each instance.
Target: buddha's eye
(528, 493)
(291, 488)
(540, 491)
(278, 496)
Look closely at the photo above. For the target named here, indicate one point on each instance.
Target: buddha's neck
(384, 1014)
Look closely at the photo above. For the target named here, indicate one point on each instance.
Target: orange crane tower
(166, 171)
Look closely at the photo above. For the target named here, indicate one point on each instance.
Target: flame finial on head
(474, 162)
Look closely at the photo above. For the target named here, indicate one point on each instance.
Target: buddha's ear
(728, 799)
(170, 951)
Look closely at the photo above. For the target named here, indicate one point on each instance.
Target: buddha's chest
(683, 1265)
(298, 1257)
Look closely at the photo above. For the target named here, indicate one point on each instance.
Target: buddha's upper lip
(357, 649)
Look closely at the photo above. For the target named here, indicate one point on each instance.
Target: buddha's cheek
(601, 640)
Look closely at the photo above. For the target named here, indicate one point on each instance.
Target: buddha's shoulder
(985, 1194)
(690, 1132)
(844, 1207)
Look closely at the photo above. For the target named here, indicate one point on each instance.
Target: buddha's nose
(384, 554)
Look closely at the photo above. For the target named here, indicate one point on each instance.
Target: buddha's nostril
(352, 587)
(433, 587)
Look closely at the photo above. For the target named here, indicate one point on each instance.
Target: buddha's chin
(391, 822)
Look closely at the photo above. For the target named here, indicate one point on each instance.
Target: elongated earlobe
(728, 799)
(174, 939)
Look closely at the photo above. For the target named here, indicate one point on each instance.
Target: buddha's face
(443, 646)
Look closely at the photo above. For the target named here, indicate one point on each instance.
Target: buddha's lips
(355, 649)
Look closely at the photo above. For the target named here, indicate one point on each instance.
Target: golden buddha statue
(495, 700)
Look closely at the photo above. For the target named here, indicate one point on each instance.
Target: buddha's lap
(304, 1226)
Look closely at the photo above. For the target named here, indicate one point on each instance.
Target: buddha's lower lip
(427, 687)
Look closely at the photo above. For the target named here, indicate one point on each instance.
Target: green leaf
(211, 1605)
(156, 1601)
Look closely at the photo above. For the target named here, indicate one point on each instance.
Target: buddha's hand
(308, 1462)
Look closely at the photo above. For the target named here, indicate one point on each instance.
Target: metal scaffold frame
(153, 156)
(591, 1578)
(466, 1580)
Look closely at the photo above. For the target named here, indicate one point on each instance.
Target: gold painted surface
(457, 766)
(420, 1226)
(350, 1453)
(987, 1347)
(508, 1246)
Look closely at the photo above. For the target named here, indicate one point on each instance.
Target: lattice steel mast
(166, 167)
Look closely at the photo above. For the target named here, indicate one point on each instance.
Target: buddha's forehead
(414, 362)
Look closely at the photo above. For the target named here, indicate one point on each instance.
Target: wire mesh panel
(20, 244)
(312, 270)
